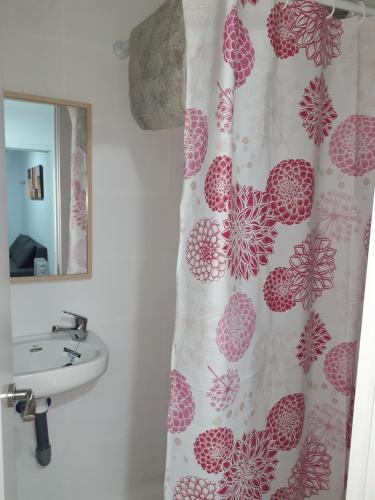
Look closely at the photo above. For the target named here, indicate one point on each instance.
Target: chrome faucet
(78, 331)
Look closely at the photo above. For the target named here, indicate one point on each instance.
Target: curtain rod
(121, 48)
(350, 6)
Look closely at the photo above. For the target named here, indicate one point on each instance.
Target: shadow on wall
(139, 363)
(160, 234)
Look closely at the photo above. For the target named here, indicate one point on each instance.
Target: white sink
(40, 362)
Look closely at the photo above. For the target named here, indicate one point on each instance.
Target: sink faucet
(78, 331)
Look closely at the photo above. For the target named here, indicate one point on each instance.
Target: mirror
(48, 176)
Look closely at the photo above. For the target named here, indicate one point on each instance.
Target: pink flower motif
(194, 488)
(339, 366)
(224, 112)
(195, 141)
(237, 48)
(312, 342)
(79, 210)
(312, 267)
(366, 235)
(349, 422)
(282, 494)
(352, 145)
(282, 39)
(224, 389)
(250, 468)
(337, 216)
(327, 423)
(317, 112)
(218, 183)
(212, 447)
(285, 421)
(249, 231)
(252, 2)
(290, 187)
(80, 253)
(204, 254)
(236, 327)
(277, 290)
(319, 36)
(312, 470)
(181, 407)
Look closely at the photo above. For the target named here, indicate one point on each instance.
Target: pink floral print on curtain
(224, 112)
(77, 259)
(304, 24)
(275, 223)
(316, 110)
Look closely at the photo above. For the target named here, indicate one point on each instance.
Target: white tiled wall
(108, 437)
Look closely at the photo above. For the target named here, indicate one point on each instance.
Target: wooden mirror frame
(64, 102)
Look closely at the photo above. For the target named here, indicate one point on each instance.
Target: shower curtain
(77, 260)
(275, 219)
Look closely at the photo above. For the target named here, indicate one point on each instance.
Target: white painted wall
(107, 438)
(15, 184)
(29, 125)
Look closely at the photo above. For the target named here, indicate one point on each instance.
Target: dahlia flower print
(224, 112)
(366, 236)
(280, 34)
(319, 36)
(349, 422)
(317, 111)
(328, 424)
(312, 266)
(250, 468)
(218, 184)
(277, 290)
(339, 366)
(352, 145)
(79, 253)
(236, 327)
(181, 407)
(195, 141)
(204, 254)
(194, 488)
(290, 187)
(238, 49)
(285, 421)
(212, 447)
(336, 215)
(224, 390)
(313, 341)
(79, 211)
(249, 231)
(311, 473)
(284, 493)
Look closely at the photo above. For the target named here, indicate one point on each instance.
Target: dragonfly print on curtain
(275, 221)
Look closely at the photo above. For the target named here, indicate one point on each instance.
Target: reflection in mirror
(47, 145)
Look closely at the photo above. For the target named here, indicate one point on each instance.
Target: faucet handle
(80, 321)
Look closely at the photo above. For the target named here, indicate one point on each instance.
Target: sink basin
(47, 363)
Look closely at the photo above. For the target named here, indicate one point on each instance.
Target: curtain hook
(285, 4)
(333, 10)
(364, 12)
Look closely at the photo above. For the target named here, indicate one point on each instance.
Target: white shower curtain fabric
(275, 222)
(77, 260)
